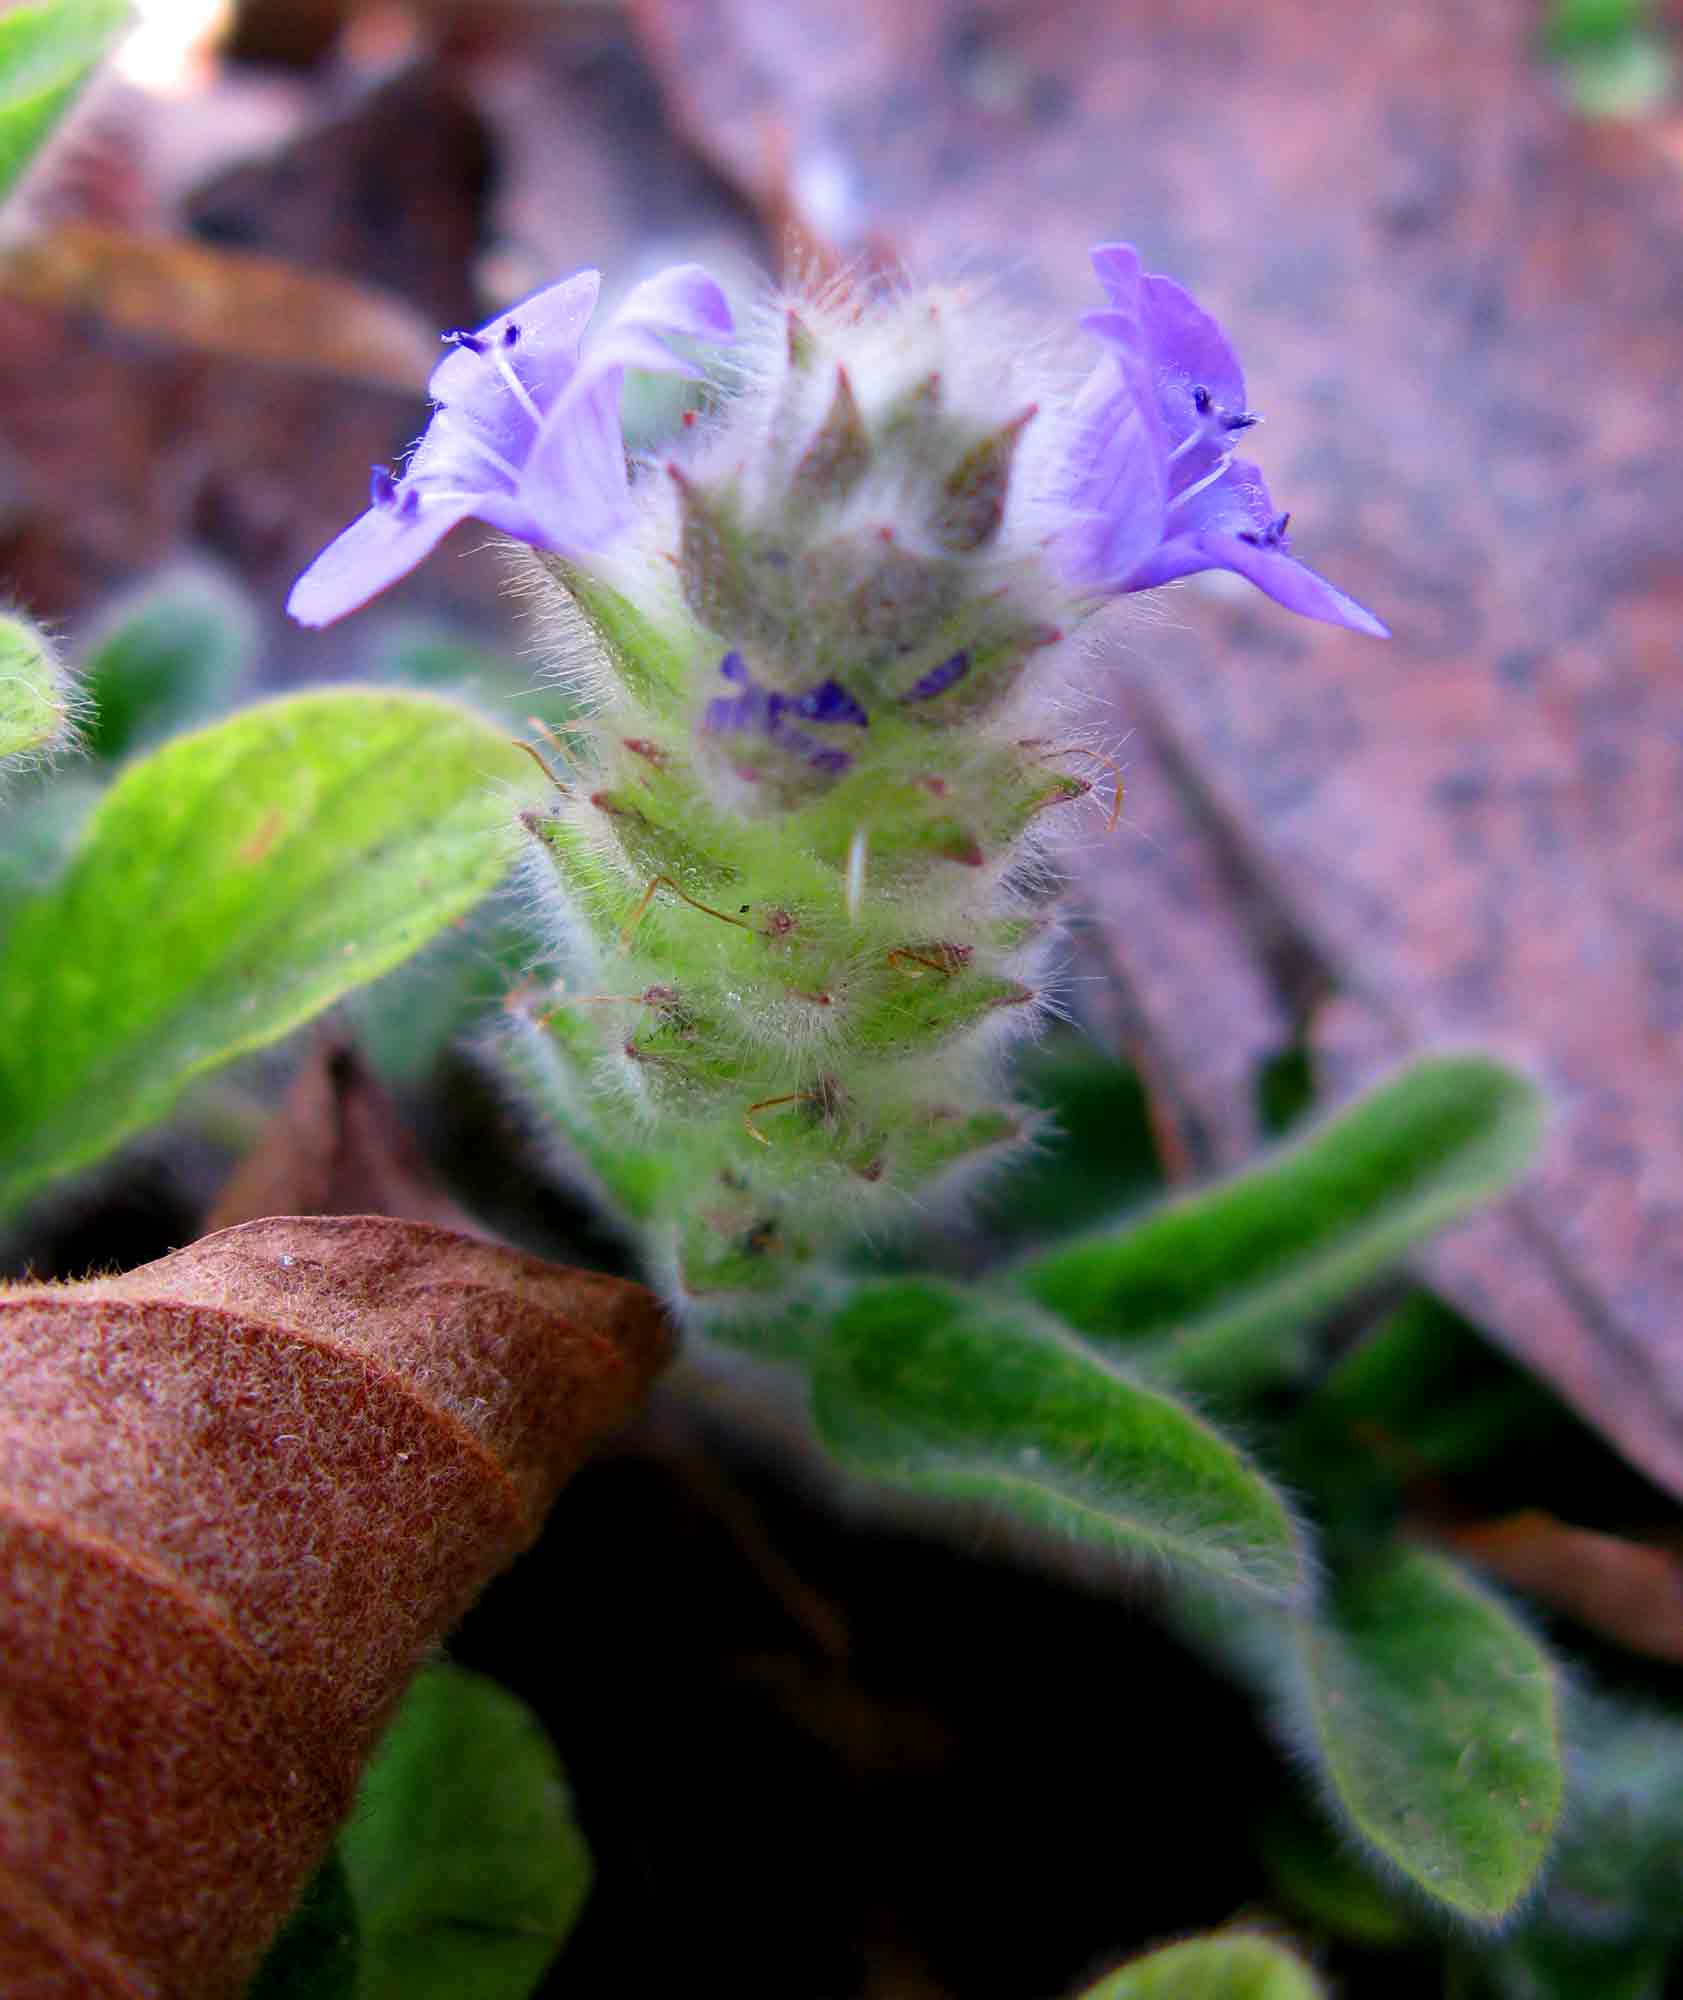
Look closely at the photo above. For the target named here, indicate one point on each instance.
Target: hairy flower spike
(805, 889)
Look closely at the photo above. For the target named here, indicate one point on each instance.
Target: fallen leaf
(337, 1146)
(242, 1490)
(225, 301)
(1629, 1591)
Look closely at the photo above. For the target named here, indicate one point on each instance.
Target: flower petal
(1289, 582)
(574, 484)
(1115, 484)
(683, 302)
(1188, 345)
(385, 544)
(1274, 571)
(550, 325)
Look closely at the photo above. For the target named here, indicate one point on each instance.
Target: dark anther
(511, 334)
(1271, 537)
(382, 487)
(1202, 401)
(471, 341)
(409, 503)
(1239, 420)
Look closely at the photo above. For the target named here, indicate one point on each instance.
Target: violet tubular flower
(1155, 488)
(525, 435)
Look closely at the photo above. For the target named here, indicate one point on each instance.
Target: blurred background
(1448, 238)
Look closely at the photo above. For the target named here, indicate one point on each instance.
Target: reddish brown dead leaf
(337, 1146)
(146, 447)
(1631, 1592)
(241, 1491)
(224, 301)
(1457, 305)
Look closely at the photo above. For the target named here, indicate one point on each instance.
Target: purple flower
(765, 713)
(1154, 486)
(525, 437)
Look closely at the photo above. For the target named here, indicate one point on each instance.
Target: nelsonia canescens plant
(805, 877)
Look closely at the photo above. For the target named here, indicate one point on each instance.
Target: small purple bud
(511, 333)
(829, 702)
(948, 674)
(733, 670)
(382, 487)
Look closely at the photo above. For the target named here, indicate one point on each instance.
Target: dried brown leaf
(241, 1491)
(337, 1146)
(228, 302)
(1631, 1592)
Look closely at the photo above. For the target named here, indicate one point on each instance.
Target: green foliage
(1220, 1291)
(1610, 1913)
(1434, 1720)
(461, 1871)
(1098, 1157)
(227, 888)
(172, 659)
(47, 53)
(1237, 1965)
(35, 694)
(1419, 1397)
(465, 1863)
(1320, 1883)
(1617, 55)
(938, 1390)
(316, 1957)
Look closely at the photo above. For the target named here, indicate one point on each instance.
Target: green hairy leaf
(1241, 1966)
(1219, 1291)
(47, 53)
(1434, 1716)
(35, 697)
(171, 660)
(1316, 1879)
(466, 1866)
(941, 1391)
(1610, 1913)
(228, 887)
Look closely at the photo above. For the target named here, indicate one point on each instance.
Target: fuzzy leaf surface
(227, 888)
(1435, 1718)
(466, 1865)
(47, 53)
(33, 692)
(941, 1391)
(1240, 1967)
(1218, 1291)
(1608, 1919)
